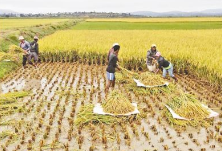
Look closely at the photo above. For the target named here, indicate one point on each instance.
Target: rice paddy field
(52, 107)
(18, 23)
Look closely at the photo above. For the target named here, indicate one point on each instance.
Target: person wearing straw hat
(110, 70)
(150, 59)
(26, 49)
(111, 51)
(165, 65)
(34, 52)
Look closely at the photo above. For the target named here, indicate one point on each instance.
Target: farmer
(110, 70)
(26, 48)
(150, 58)
(166, 65)
(111, 51)
(34, 52)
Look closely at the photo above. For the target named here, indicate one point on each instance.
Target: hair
(116, 47)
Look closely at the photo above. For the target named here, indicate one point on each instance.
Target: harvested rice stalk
(11, 97)
(148, 78)
(186, 105)
(5, 134)
(86, 116)
(126, 77)
(15, 49)
(9, 104)
(117, 103)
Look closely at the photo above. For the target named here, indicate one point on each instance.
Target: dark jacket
(149, 57)
(163, 63)
(34, 47)
(112, 63)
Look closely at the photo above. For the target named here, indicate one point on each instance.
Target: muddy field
(60, 89)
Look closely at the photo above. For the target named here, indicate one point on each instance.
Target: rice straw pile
(126, 77)
(187, 106)
(117, 103)
(148, 78)
(86, 116)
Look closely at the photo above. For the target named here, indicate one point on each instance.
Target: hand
(25, 52)
(156, 71)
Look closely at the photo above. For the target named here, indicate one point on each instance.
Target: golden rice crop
(117, 103)
(198, 51)
(157, 19)
(189, 107)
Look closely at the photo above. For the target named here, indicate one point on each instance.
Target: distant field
(106, 25)
(17, 23)
(207, 19)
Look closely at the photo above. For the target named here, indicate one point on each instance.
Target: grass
(18, 23)
(6, 67)
(147, 25)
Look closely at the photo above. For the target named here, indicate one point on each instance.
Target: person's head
(115, 44)
(153, 47)
(116, 48)
(21, 39)
(157, 55)
(36, 38)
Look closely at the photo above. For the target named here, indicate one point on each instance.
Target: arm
(160, 64)
(116, 65)
(24, 51)
(109, 54)
(37, 48)
(28, 45)
(148, 57)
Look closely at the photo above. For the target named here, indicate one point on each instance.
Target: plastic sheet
(140, 84)
(176, 116)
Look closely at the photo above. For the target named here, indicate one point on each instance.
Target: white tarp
(140, 84)
(7, 60)
(98, 109)
(176, 116)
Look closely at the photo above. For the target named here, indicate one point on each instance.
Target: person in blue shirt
(26, 49)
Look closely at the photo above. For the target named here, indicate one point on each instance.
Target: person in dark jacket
(34, 51)
(165, 65)
(26, 48)
(110, 70)
(150, 58)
